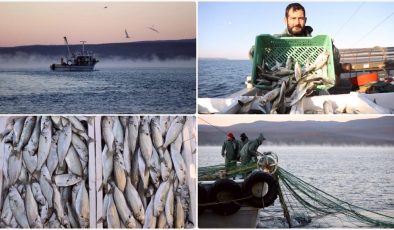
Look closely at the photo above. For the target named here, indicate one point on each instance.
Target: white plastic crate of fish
(45, 176)
(148, 172)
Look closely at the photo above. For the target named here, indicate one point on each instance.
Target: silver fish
(162, 221)
(180, 166)
(73, 163)
(81, 149)
(65, 180)
(18, 207)
(44, 141)
(32, 144)
(18, 128)
(119, 172)
(127, 153)
(57, 204)
(134, 201)
(150, 219)
(169, 207)
(124, 212)
(179, 214)
(164, 125)
(166, 166)
(160, 198)
(108, 165)
(107, 125)
(154, 169)
(64, 143)
(14, 166)
(133, 126)
(82, 206)
(117, 130)
(38, 196)
(145, 141)
(6, 213)
(174, 130)
(28, 128)
(53, 160)
(45, 185)
(113, 219)
(134, 173)
(157, 137)
(30, 161)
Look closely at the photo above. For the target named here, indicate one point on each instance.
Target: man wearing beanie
(230, 151)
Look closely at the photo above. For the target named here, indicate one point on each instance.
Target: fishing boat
(78, 61)
(235, 195)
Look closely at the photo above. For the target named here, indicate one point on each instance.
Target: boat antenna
(68, 48)
(83, 47)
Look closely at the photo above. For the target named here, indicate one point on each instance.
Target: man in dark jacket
(230, 151)
(250, 150)
(241, 143)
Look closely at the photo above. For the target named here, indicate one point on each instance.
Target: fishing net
(319, 203)
(305, 202)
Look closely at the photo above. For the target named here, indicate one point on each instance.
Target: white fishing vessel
(79, 61)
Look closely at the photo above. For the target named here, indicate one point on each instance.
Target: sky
(228, 29)
(46, 23)
(228, 120)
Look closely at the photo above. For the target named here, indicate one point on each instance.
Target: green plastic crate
(301, 49)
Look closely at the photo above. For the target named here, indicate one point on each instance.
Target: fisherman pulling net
(302, 201)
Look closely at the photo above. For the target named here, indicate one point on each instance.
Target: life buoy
(262, 188)
(202, 198)
(224, 193)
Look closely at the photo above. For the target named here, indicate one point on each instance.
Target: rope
(374, 28)
(354, 13)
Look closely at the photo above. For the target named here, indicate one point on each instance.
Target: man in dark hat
(249, 151)
(230, 151)
(241, 143)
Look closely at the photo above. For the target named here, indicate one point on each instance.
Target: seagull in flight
(127, 35)
(153, 29)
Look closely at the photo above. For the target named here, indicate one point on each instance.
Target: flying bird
(153, 29)
(105, 7)
(127, 35)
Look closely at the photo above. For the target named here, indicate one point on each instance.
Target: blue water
(161, 90)
(360, 175)
(219, 78)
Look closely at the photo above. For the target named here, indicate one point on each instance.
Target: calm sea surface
(362, 176)
(219, 78)
(104, 91)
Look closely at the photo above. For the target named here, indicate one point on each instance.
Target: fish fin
(100, 221)
(101, 187)
(90, 140)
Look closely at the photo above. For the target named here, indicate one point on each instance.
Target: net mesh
(304, 200)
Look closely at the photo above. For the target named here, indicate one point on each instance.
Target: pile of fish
(45, 171)
(289, 84)
(149, 172)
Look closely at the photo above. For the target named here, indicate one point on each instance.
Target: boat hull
(72, 68)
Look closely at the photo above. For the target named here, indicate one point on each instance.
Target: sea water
(160, 90)
(220, 78)
(359, 175)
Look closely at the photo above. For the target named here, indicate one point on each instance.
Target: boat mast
(68, 48)
(83, 47)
